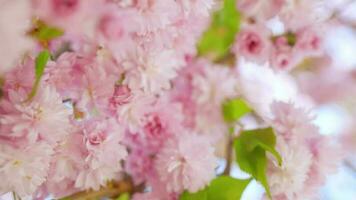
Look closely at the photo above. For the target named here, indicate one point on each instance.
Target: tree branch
(111, 190)
(228, 155)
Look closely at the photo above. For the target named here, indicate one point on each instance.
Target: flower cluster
(124, 94)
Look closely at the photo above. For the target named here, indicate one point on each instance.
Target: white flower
(132, 112)
(188, 162)
(44, 116)
(199, 7)
(289, 179)
(153, 71)
(260, 85)
(105, 153)
(23, 170)
(214, 86)
(291, 121)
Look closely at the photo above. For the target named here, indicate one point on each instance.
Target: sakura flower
(214, 86)
(290, 178)
(115, 31)
(310, 41)
(104, 154)
(211, 124)
(122, 95)
(73, 16)
(21, 77)
(296, 133)
(260, 85)
(158, 125)
(90, 84)
(131, 113)
(154, 71)
(253, 44)
(187, 162)
(45, 117)
(98, 87)
(260, 10)
(326, 158)
(139, 165)
(199, 7)
(313, 12)
(283, 59)
(66, 74)
(293, 122)
(65, 166)
(23, 170)
(155, 15)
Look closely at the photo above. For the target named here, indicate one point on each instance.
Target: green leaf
(221, 188)
(251, 147)
(124, 196)
(200, 195)
(227, 188)
(216, 41)
(40, 64)
(44, 32)
(49, 33)
(234, 109)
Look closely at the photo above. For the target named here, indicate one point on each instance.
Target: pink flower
(327, 156)
(313, 13)
(66, 74)
(115, 31)
(153, 70)
(261, 85)
(139, 165)
(98, 85)
(158, 125)
(260, 10)
(121, 96)
(214, 85)
(197, 7)
(283, 60)
(23, 170)
(308, 157)
(293, 122)
(73, 16)
(155, 15)
(253, 44)
(283, 57)
(44, 118)
(290, 178)
(64, 8)
(66, 164)
(309, 42)
(104, 153)
(131, 113)
(91, 82)
(21, 77)
(186, 162)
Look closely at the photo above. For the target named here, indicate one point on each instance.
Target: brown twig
(111, 190)
(228, 154)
